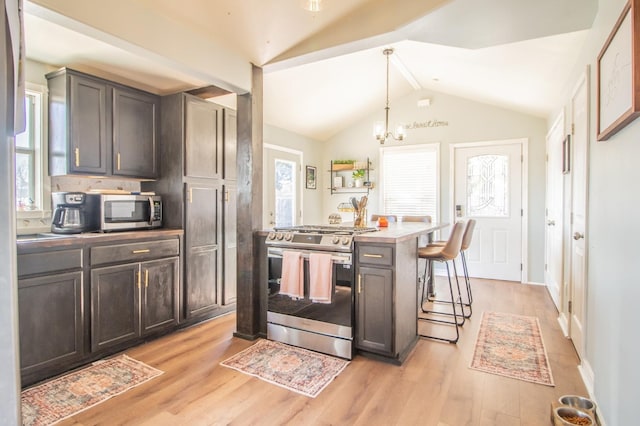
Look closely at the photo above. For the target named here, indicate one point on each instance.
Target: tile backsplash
(83, 184)
(32, 222)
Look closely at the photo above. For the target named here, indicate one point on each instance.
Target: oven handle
(341, 258)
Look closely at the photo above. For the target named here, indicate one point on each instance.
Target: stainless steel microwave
(120, 212)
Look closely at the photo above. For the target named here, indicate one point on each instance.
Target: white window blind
(409, 179)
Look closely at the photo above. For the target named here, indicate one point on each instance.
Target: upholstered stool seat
(444, 254)
(466, 242)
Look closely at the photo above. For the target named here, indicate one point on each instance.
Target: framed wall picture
(618, 86)
(310, 177)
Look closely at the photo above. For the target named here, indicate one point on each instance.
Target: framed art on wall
(310, 177)
(618, 80)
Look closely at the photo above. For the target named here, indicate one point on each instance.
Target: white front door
(553, 269)
(282, 187)
(488, 188)
(579, 176)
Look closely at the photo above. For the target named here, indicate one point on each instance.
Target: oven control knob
(335, 240)
(346, 241)
(271, 236)
(288, 236)
(279, 235)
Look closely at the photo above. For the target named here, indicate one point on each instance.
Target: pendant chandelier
(380, 129)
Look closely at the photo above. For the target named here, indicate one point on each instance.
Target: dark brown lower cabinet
(132, 300)
(82, 299)
(386, 299)
(375, 310)
(51, 321)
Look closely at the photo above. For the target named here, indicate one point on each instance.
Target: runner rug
(512, 346)
(65, 396)
(292, 368)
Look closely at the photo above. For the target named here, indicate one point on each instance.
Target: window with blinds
(409, 180)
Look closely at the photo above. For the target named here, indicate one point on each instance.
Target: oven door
(301, 322)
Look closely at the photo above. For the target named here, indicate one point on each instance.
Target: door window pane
(285, 186)
(488, 185)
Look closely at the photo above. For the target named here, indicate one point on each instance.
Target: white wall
(468, 121)
(612, 344)
(312, 212)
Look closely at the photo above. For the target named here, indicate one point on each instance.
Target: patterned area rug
(511, 345)
(70, 394)
(296, 369)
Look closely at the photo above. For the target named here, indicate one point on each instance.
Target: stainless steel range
(300, 320)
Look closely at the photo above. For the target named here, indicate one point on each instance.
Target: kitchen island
(386, 298)
(377, 266)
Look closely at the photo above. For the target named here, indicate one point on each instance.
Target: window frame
(431, 147)
(42, 190)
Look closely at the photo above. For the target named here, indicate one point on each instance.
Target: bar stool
(466, 242)
(391, 218)
(427, 279)
(445, 253)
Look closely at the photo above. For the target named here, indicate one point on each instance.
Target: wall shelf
(343, 172)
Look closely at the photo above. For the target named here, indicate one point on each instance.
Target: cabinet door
(88, 125)
(230, 246)
(374, 310)
(50, 320)
(159, 296)
(201, 138)
(115, 301)
(202, 250)
(134, 133)
(230, 145)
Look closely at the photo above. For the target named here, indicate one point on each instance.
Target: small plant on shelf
(358, 174)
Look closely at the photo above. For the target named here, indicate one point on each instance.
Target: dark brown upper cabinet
(101, 128)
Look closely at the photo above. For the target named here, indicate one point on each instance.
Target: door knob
(577, 236)
(551, 222)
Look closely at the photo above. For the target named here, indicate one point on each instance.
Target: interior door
(579, 172)
(553, 265)
(282, 188)
(488, 188)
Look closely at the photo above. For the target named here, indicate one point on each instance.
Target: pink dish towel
(292, 283)
(320, 277)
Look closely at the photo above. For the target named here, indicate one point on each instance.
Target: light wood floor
(433, 387)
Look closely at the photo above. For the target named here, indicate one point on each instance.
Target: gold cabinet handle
(359, 283)
(190, 195)
(138, 275)
(118, 161)
(377, 256)
(77, 152)
(141, 251)
(226, 196)
(146, 278)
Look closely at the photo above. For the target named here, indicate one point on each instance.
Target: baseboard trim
(588, 377)
(564, 324)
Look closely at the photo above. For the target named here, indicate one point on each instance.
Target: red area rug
(292, 368)
(61, 398)
(512, 346)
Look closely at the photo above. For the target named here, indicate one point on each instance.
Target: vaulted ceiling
(324, 70)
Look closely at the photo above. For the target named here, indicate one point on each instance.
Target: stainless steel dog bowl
(560, 415)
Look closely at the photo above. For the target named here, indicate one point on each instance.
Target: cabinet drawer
(49, 261)
(376, 255)
(134, 252)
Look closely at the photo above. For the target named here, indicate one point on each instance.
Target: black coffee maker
(74, 212)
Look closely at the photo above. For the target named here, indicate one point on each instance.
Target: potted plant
(358, 176)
